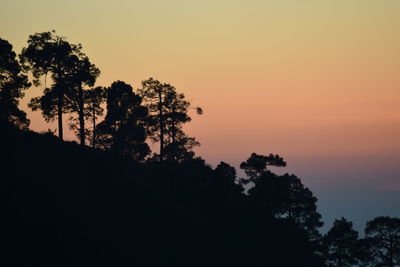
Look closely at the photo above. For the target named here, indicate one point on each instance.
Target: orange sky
(309, 80)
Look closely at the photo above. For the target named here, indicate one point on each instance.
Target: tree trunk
(82, 128)
(60, 105)
(81, 117)
(161, 122)
(174, 145)
(94, 129)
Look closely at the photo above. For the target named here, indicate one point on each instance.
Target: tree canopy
(340, 243)
(12, 86)
(69, 68)
(384, 236)
(123, 129)
(168, 111)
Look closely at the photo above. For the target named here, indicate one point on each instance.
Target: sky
(316, 82)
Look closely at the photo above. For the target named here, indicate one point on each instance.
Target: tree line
(156, 111)
(119, 120)
(286, 197)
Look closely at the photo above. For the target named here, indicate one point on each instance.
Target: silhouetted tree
(340, 244)
(226, 183)
(94, 98)
(50, 54)
(180, 147)
(168, 112)
(226, 171)
(299, 205)
(123, 128)
(154, 94)
(83, 73)
(283, 197)
(384, 235)
(12, 84)
(256, 165)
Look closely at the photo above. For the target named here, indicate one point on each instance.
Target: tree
(384, 235)
(12, 84)
(50, 54)
(154, 94)
(225, 183)
(168, 112)
(281, 197)
(94, 98)
(180, 147)
(340, 244)
(84, 73)
(256, 165)
(123, 129)
(299, 205)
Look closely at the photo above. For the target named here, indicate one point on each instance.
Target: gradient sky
(316, 82)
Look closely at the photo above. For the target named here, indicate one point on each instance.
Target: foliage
(123, 128)
(12, 85)
(283, 196)
(93, 110)
(341, 243)
(256, 165)
(168, 113)
(84, 73)
(50, 54)
(384, 236)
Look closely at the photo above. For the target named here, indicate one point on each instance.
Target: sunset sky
(317, 82)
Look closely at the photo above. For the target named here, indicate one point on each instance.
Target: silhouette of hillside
(69, 205)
